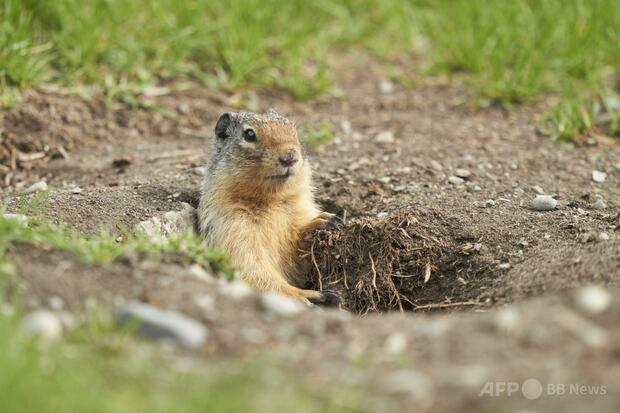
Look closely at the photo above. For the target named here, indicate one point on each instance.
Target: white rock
(158, 324)
(396, 343)
(436, 165)
(593, 299)
(386, 87)
(235, 289)
(489, 203)
(598, 176)
(346, 127)
(36, 187)
(42, 324)
(19, 218)
(462, 173)
(200, 273)
(172, 222)
(599, 204)
(384, 137)
(55, 302)
(538, 190)
(543, 203)
(198, 170)
(455, 180)
(504, 266)
(382, 215)
(603, 236)
(280, 305)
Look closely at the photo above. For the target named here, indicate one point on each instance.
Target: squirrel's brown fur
(257, 200)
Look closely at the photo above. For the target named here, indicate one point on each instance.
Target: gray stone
(280, 305)
(593, 299)
(543, 203)
(598, 176)
(157, 324)
(346, 127)
(455, 180)
(385, 137)
(386, 87)
(36, 187)
(42, 324)
(436, 165)
(599, 204)
(172, 222)
(462, 173)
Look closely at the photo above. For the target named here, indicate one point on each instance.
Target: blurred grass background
(509, 51)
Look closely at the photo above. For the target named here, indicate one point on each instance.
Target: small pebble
(198, 170)
(55, 303)
(436, 165)
(345, 125)
(489, 203)
(396, 343)
(504, 266)
(593, 299)
(42, 324)
(235, 289)
(157, 324)
(386, 87)
(599, 204)
(598, 176)
(462, 173)
(280, 305)
(36, 187)
(543, 203)
(384, 137)
(538, 190)
(382, 215)
(76, 190)
(603, 236)
(455, 180)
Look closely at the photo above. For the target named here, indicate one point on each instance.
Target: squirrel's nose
(289, 159)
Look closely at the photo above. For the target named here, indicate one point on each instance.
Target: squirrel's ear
(272, 112)
(221, 127)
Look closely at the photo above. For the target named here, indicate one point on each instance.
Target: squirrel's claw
(327, 298)
(332, 221)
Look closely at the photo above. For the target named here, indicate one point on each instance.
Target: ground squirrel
(257, 200)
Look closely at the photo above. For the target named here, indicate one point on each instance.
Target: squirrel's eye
(249, 135)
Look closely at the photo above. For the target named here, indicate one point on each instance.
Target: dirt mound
(397, 262)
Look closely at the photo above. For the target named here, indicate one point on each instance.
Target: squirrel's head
(259, 147)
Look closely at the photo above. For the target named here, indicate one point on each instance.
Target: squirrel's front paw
(328, 298)
(331, 221)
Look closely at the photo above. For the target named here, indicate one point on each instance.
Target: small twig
(190, 153)
(316, 265)
(374, 271)
(444, 305)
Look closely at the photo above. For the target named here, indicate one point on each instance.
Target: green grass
(510, 51)
(104, 247)
(226, 44)
(98, 369)
(314, 137)
(516, 51)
